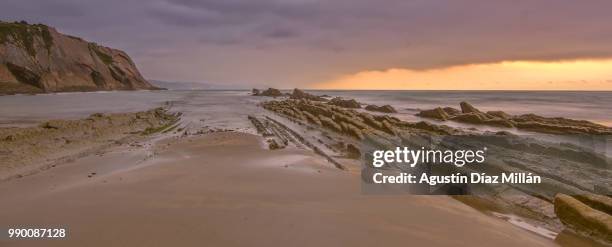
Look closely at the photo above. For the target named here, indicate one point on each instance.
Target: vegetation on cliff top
(24, 35)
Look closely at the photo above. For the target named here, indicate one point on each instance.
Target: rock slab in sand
(583, 218)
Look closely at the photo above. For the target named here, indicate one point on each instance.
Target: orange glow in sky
(510, 75)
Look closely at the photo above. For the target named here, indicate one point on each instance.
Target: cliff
(38, 59)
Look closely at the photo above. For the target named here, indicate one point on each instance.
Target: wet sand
(28, 150)
(225, 189)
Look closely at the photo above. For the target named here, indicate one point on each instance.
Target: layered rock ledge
(26, 150)
(583, 218)
(564, 168)
(529, 122)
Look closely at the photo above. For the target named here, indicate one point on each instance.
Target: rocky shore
(566, 168)
(30, 149)
(132, 165)
(530, 122)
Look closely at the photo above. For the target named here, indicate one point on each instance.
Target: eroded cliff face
(38, 59)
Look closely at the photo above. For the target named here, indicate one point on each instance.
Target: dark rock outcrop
(38, 59)
(270, 92)
(346, 103)
(299, 94)
(384, 108)
(468, 108)
(436, 113)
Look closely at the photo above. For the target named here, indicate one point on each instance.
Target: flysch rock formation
(564, 168)
(39, 59)
(529, 122)
(30, 149)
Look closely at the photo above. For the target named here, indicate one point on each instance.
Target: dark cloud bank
(295, 42)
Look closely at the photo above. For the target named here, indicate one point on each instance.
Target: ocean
(223, 107)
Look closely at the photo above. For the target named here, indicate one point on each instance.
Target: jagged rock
(354, 131)
(299, 94)
(311, 118)
(328, 122)
(314, 109)
(38, 59)
(384, 108)
(499, 122)
(369, 120)
(467, 108)
(558, 125)
(473, 116)
(352, 151)
(583, 218)
(437, 113)
(270, 92)
(531, 122)
(499, 114)
(392, 120)
(481, 118)
(451, 111)
(255, 92)
(440, 129)
(347, 121)
(350, 120)
(347, 103)
(386, 127)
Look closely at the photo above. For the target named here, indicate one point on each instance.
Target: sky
(343, 44)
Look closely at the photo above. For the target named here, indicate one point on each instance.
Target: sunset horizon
(565, 75)
(301, 44)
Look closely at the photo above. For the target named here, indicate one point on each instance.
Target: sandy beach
(226, 189)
